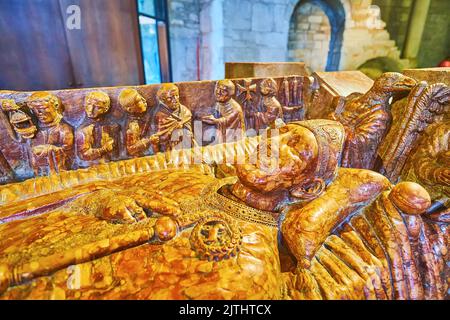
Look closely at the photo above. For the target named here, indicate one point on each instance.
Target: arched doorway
(316, 32)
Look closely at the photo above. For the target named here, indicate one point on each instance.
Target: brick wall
(309, 36)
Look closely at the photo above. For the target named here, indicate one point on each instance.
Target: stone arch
(336, 13)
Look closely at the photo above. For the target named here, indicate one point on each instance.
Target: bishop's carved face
(295, 148)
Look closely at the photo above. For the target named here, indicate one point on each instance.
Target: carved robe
(90, 139)
(137, 129)
(271, 111)
(231, 123)
(174, 128)
(60, 135)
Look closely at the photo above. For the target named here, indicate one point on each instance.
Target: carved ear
(310, 191)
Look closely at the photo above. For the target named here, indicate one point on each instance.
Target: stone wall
(184, 24)
(309, 36)
(258, 31)
(436, 37)
(364, 36)
(396, 15)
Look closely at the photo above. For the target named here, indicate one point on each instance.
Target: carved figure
(21, 122)
(173, 121)
(271, 114)
(367, 118)
(246, 93)
(137, 139)
(97, 141)
(20, 128)
(228, 116)
(292, 110)
(52, 147)
(350, 234)
(430, 164)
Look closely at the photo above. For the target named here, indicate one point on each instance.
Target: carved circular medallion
(216, 238)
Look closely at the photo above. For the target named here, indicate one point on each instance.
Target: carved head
(8, 105)
(169, 95)
(269, 87)
(132, 102)
(224, 90)
(308, 153)
(23, 124)
(393, 82)
(45, 106)
(96, 104)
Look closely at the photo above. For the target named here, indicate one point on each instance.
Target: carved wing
(424, 104)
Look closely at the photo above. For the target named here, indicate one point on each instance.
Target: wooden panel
(106, 51)
(34, 54)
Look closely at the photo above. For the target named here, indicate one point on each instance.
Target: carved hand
(122, 209)
(154, 139)
(209, 119)
(108, 145)
(156, 202)
(43, 150)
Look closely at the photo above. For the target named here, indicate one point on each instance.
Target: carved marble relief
(20, 127)
(367, 119)
(227, 117)
(98, 139)
(220, 237)
(52, 149)
(173, 121)
(138, 125)
(141, 220)
(292, 91)
(120, 123)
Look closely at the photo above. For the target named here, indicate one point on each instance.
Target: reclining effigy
(205, 222)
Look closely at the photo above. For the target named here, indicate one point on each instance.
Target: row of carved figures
(51, 142)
